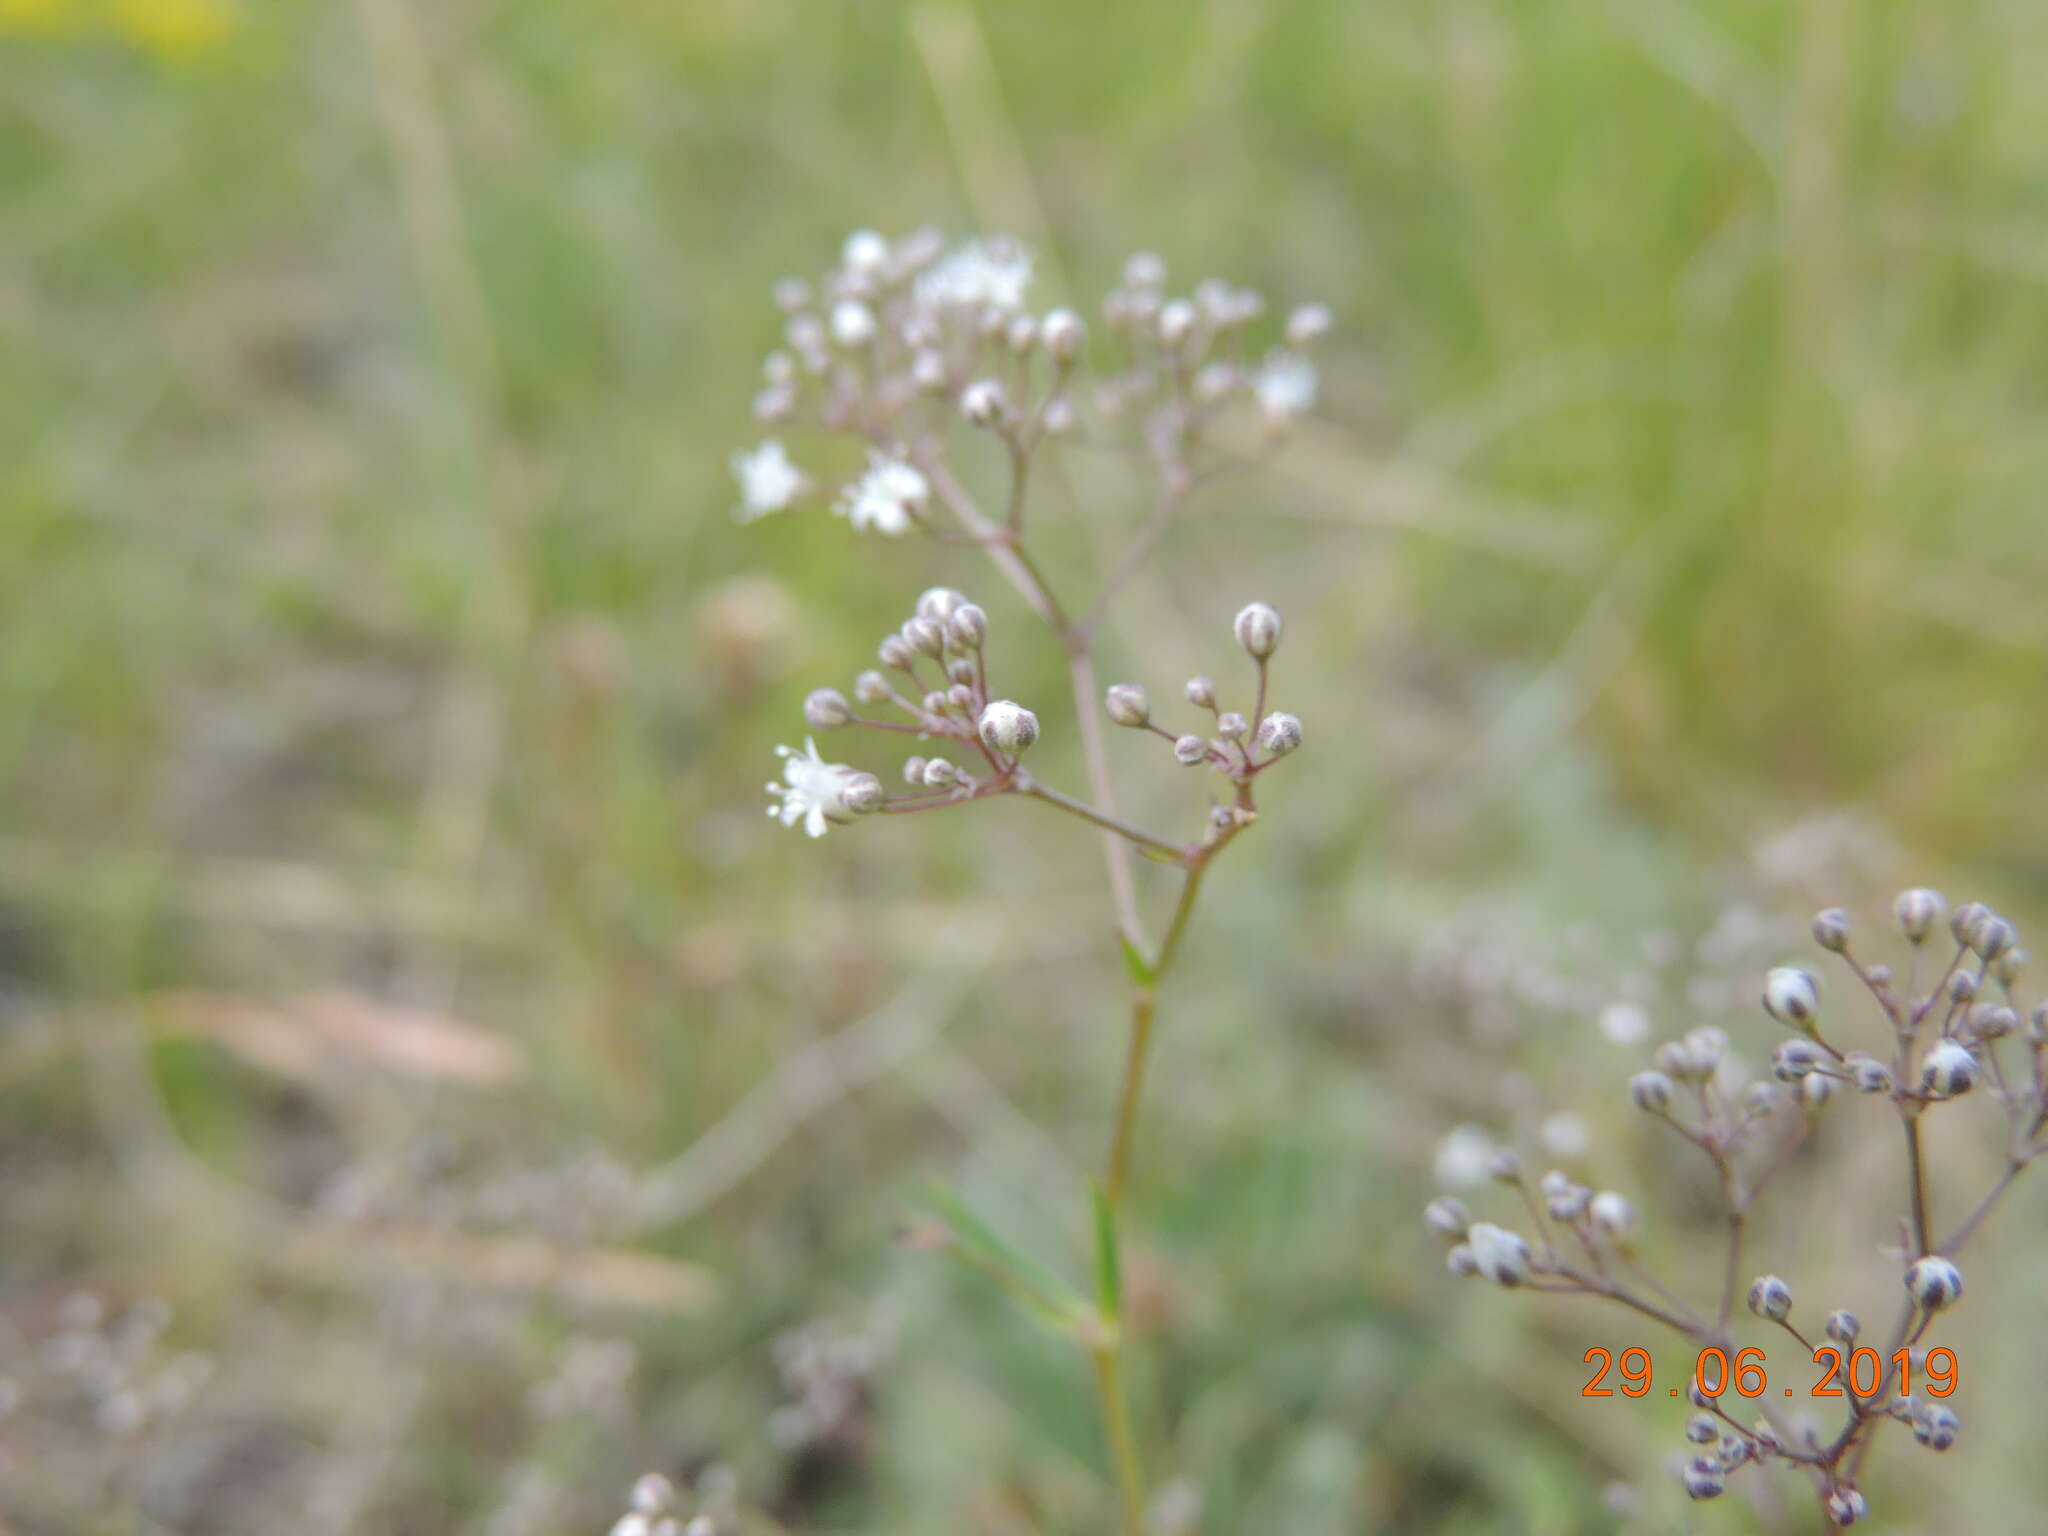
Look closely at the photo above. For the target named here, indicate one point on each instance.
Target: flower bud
(1462, 1261)
(1947, 1069)
(1232, 726)
(1935, 1426)
(1503, 1166)
(1064, 334)
(968, 627)
(1612, 1214)
(895, 652)
(982, 402)
(929, 373)
(938, 773)
(792, 294)
(1793, 1059)
(1843, 1326)
(937, 702)
(2007, 967)
(826, 708)
(1279, 734)
(1201, 693)
(961, 697)
(1651, 1091)
(1144, 269)
(1704, 1479)
(938, 604)
(1963, 921)
(1962, 987)
(1762, 1097)
(862, 793)
(1933, 1283)
(1022, 334)
(921, 634)
(1791, 997)
(1991, 1022)
(1831, 930)
(1918, 910)
(1308, 323)
(865, 253)
(1868, 1073)
(1706, 1046)
(1057, 415)
(1815, 1089)
(1447, 1217)
(1702, 1429)
(871, 687)
(913, 770)
(1993, 936)
(1770, 1298)
(1128, 705)
(1176, 323)
(2037, 1026)
(1501, 1256)
(1258, 629)
(1190, 751)
(1846, 1506)
(960, 669)
(1008, 728)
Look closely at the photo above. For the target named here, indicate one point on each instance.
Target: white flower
(816, 792)
(853, 323)
(886, 498)
(768, 481)
(1285, 385)
(979, 275)
(1462, 1157)
(1502, 1256)
(865, 252)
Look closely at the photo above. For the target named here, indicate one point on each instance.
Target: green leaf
(1109, 1283)
(1139, 967)
(1048, 1298)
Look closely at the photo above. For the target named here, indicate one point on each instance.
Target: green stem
(1123, 1444)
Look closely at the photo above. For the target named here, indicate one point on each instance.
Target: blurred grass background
(372, 627)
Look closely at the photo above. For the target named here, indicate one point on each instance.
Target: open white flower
(768, 481)
(886, 499)
(1462, 1157)
(818, 793)
(979, 275)
(1285, 386)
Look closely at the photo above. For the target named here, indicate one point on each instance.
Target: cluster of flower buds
(902, 337)
(654, 1510)
(1946, 1024)
(1239, 746)
(935, 676)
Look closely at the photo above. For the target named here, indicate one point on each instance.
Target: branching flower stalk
(899, 348)
(1946, 1032)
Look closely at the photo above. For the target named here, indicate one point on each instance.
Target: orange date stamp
(1834, 1372)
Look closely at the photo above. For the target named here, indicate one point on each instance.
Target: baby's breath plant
(1951, 1032)
(906, 349)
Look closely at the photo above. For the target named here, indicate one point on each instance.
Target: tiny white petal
(886, 499)
(1285, 386)
(768, 481)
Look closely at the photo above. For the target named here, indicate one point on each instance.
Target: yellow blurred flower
(174, 30)
(38, 15)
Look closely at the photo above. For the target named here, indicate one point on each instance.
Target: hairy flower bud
(1816, 1089)
(961, 697)
(1993, 936)
(982, 402)
(1831, 930)
(1232, 726)
(1793, 1059)
(871, 687)
(1770, 1297)
(1612, 1214)
(1447, 1217)
(1935, 1426)
(863, 793)
(938, 604)
(1843, 1326)
(1201, 693)
(1918, 910)
(1502, 1256)
(895, 651)
(929, 373)
(826, 708)
(1704, 1479)
(1792, 997)
(1176, 323)
(853, 323)
(1706, 1045)
(1868, 1073)
(1846, 1506)
(1279, 734)
(1064, 334)
(1762, 1097)
(1993, 1022)
(968, 627)
(1190, 751)
(1651, 1091)
(938, 773)
(1258, 629)
(921, 634)
(1008, 728)
(1462, 1261)
(1503, 1166)
(1703, 1429)
(1933, 1282)
(1947, 1069)
(913, 770)
(1963, 921)
(1127, 704)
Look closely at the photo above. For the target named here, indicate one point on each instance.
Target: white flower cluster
(903, 336)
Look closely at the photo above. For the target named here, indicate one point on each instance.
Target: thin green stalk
(1123, 1444)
